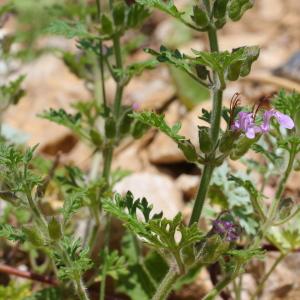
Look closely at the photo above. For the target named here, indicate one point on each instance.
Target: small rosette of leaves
(71, 259)
(154, 120)
(228, 65)
(16, 175)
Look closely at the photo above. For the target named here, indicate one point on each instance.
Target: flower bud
(125, 123)
(242, 146)
(211, 249)
(188, 150)
(110, 128)
(297, 165)
(200, 17)
(227, 141)
(139, 129)
(33, 236)
(285, 208)
(54, 229)
(205, 142)
(96, 138)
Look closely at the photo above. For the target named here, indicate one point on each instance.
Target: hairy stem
(202, 191)
(218, 288)
(77, 282)
(217, 93)
(106, 249)
(43, 226)
(166, 285)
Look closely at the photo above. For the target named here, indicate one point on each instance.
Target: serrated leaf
(154, 120)
(167, 7)
(135, 15)
(11, 233)
(46, 294)
(72, 203)
(287, 103)
(59, 27)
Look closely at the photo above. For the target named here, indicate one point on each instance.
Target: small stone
(48, 83)
(159, 190)
(188, 184)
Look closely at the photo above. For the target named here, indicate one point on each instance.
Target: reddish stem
(27, 274)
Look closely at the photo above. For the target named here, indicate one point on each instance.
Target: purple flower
(245, 123)
(225, 228)
(284, 120)
(135, 106)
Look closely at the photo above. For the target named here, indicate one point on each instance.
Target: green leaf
(154, 120)
(119, 14)
(200, 17)
(61, 117)
(16, 291)
(271, 156)
(219, 9)
(79, 256)
(59, 27)
(11, 233)
(135, 69)
(228, 65)
(12, 92)
(247, 254)
(287, 103)
(106, 25)
(238, 7)
(232, 196)
(72, 203)
(46, 294)
(114, 264)
(154, 230)
(190, 92)
(167, 7)
(173, 57)
(135, 15)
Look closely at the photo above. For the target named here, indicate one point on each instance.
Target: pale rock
(133, 157)
(158, 189)
(151, 90)
(282, 280)
(198, 289)
(293, 181)
(48, 84)
(188, 184)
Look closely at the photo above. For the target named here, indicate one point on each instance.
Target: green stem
(218, 288)
(77, 283)
(106, 249)
(267, 275)
(119, 65)
(166, 285)
(107, 160)
(202, 191)
(214, 133)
